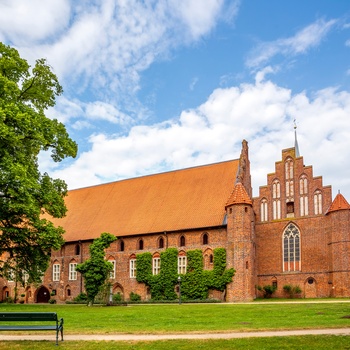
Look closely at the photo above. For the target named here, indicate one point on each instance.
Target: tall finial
(297, 154)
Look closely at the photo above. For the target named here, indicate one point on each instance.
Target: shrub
(52, 301)
(81, 298)
(117, 298)
(292, 290)
(267, 290)
(134, 297)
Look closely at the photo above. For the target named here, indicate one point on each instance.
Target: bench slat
(27, 328)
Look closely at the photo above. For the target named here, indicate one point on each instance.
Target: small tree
(96, 269)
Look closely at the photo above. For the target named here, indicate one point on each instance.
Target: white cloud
(305, 39)
(23, 22)
(262, 113)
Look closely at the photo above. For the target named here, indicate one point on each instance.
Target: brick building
(292, 233)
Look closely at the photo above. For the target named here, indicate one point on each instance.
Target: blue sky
(151, 86)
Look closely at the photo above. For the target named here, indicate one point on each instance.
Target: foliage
(27, 238)
(81, 297)
(52, 301)
(195, 284)
(134, 297)
(292, 290)
(267, 290)
(95, 270)
(117, 297)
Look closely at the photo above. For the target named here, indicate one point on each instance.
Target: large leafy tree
(27, 195)
(95, 270)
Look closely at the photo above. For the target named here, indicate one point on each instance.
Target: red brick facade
(292, 233)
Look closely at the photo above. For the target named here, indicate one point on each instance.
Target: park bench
(36, 319)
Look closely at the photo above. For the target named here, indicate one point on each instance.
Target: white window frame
(318, 202)
(263, 210)
(156, 266)
(73, 274)
(182, 264)
(132, 264)
(112, 273)
(56, 272)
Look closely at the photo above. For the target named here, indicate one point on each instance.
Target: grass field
(198, 318)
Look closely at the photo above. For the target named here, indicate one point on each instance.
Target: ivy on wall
(195, 284)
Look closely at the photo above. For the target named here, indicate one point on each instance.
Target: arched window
(276, 195)
(156, 264)
(289, 174)
(161, 242)
(291, 248)
(304, 199)
(121, 246)
(140, 244)
(77, 249)
(263, 209)
(205, 238)
(318, 202)
(182, 241)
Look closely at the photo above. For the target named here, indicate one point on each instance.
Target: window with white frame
(304, 200)
(263, 210)
(181, 264)
(318, 202)
(73, 275)
(276, 204)
(112, 273)
(132, 268)
(289, 173)
(156, 266)
(56, 270)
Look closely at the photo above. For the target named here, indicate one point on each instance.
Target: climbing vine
(195, 284)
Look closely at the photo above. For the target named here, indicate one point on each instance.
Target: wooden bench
(36, 318)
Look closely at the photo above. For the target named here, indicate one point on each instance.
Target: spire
(297, 154)
(339, 203)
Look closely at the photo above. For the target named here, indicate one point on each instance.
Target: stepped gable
(239, 195)
(190, 198)
(339, 203)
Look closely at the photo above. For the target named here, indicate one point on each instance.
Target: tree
(96, 269)
(28, 197)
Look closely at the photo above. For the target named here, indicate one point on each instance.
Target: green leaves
(25, 193)
(96, 269)
(195, 284)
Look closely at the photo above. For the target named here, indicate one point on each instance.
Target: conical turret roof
(339, 203)
(239, 195)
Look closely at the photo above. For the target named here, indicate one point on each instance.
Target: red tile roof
(239, 195)
(339, 203)
(175, 200)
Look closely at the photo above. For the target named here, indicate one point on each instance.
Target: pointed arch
(182, 241)
(318, 202)
(263, 210)
(304, 195)
(291, 248)
(205, 238)
(276, 195)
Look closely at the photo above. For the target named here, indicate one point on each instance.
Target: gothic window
(77, 249)
(276, 204)
(291, 248)
(156, 266)
(161, 242)
(56, 272)
(289, 178)
(304, 200)
(140, 244)
(121, 246)
(181, 264)
(263, 209)
(112, 273)
(73, 271)
(132, 268)
(182, 241)
(318, 202)
(205, 238)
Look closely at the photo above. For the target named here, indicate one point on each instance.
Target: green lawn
(199, 318)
